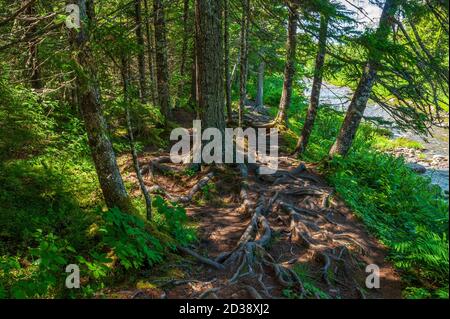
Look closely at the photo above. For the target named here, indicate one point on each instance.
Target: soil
(329, 256)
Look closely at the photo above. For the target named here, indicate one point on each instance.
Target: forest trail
(294, 239)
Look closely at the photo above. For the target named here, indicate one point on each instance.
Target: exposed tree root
(197, 187)
(210, 292)
(202, 259)
(244, 194)
(185, 198)
(327, 264)
(156, 164)
(306, 191)
(250, 256)
(253, 292)
(180, 282)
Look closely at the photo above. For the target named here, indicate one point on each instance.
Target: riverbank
(404, 210)
(431, 159)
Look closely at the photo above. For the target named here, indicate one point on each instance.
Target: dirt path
(293, 239)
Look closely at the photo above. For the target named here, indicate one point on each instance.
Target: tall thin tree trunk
(227, 60)
(162, 68)
(102, 151)
(126, 92)
(245, 25)
(184, 49)
(141, 55)
(194, 95)
(368, 79)
(260, 89)
(210, 63)
(316, 87)
(150, 55)
(289, 70)
(32, 64)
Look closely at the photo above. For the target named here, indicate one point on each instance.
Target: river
(435, 156)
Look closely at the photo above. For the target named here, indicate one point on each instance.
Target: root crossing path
(286, 235)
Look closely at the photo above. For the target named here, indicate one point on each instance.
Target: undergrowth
(52, 213)
(404, 210)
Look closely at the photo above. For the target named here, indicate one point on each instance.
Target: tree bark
(316, 87)
(162, 69)
(227, 61)
(245, 25)
(368, 79)
(102, 151)
(150, 53)
(32, 64)
(289, 70)
(260, 89)
(210, 63)
(194, 95)
(141, 56)
(127, 100)
(184, 49)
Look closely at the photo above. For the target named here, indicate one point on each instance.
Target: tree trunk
(289, 70)
(245, 25)
(210, 63)
(103, 155)
(316, 87)
(162, 69)
(227, 61)
(150, 55)
(260, 89)
(141, 55)
(362, 94)
(194, 95)
(184, 49)
(127, 100)
(32, 64)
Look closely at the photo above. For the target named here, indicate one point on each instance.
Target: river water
(435, 156)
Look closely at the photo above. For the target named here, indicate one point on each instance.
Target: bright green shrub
(128, 237)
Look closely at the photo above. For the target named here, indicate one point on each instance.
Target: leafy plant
(173, 220)
(128, 237)
(311, 289)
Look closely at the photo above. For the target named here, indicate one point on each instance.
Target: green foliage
(48, 183)
(309, 284)
(124, 238)
(24, 126)
(383, 143)
(406, 212)
(403, 209)
(146, 119)
(127, 236)
(172, 219)
(37, 194)
(45, 274)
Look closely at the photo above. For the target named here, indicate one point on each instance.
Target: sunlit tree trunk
(289, 70)
(368, 79)
(210, 63)
(102, 151)
(316, 87)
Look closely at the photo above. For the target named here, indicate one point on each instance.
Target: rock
(419, 169)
